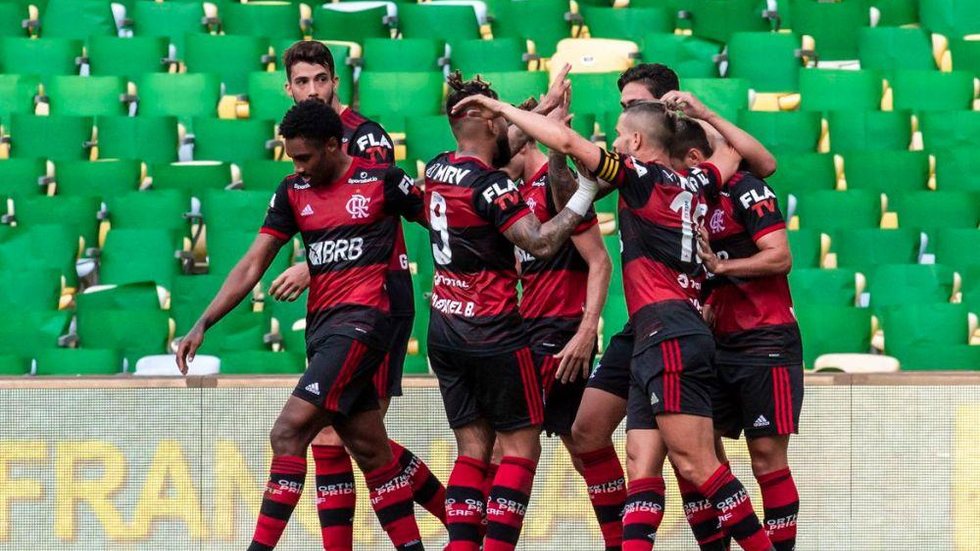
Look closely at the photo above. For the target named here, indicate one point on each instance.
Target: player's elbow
(601, 265)
(783, 263)
(767, 167)
(543, 248)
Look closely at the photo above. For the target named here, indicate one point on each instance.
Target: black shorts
(504, 389)
(339, 377)
(388, 379)
(674, 376)
(612, 373)
(561, 400)
(761, 400)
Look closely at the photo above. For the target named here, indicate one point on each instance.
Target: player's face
(309, 81)
(634, 92)
(627, 140)
(502, 155)
(314, 163)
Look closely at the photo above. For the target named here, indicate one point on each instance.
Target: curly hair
(312, 120)
(658, 79)
(461, 89)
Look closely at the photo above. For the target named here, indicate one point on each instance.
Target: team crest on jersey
(357, 206)
(531, 203)
(717, 222)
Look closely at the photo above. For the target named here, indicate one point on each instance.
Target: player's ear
(332, 144)
(636, 140)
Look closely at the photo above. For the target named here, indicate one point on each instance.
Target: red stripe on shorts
(672, 369)
(347, 371)
(532, 393)
(548, 368)
(787, 400)
(778, 399)
(381, 377)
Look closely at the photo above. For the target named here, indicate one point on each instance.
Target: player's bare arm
(239, 283)
(575, 358)
(543, 240)
(760, 161)
(773, 258)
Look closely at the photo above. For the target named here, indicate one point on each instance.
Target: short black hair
(460, 89)
(312, 120)
(313, 52)
(658, 123)
(689, 134)
(655, 77)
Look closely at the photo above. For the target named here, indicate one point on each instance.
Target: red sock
(643, 512)
(702, 517)
(492, 469)
(391, 498)
(465, 504)
(734, 508)
(427, 491)
(781, 503)
(335, 497)
(607, 491)
(508, 502)
(286, 477)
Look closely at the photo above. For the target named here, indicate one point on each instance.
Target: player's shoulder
(457, 170)
(352, 119)
(293, 182)
(743, 181)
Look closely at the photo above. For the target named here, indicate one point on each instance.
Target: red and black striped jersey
(659, 211)
(366, 138)
(553, 290)
(753, 316)
(474, 292)
(348, 228)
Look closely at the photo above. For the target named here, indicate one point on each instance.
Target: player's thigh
(457, 385)
(768, 453)
(645, 453)
(599, 414)
(339, 376)
(475, 439)
(295, 427)
(523, 442)
(690, 443)
(364, 435)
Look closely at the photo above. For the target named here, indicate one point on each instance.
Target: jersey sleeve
(280, 220)
(402, 197)
(371, 142)
(756, 207)
(497, 199)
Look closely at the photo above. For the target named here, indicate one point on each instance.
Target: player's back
(474, 293)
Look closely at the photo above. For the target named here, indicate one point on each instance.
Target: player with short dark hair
(644, 81)
(478, 347)
(347, 211)
(310, 74)
(671, 371)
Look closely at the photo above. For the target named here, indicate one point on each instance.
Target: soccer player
(478, 348)
(347, 211)
(671, 371)
(759, 352)
(310, 73)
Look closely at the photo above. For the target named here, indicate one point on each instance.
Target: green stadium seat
(156, 209)
(17, 94)
(951, 129)
(28, 332)
(951, 18)
(132, 296)
(427, 137)
(833, 330)
(21, 177)
(820, 287)
(128, 57)
(958, 169)
(78, 19)
(191, 178)
(840, 89)
(230, 57)
(44, 57)
(262, 363)
(147, 138)
(805, 245)
(839, 210)
(718, 19)
(932, 90)
(407, 55)
(852, 130)
(133, 332)
(890, 172)
(30, 288)
(483, 56)
(86, 96)
(540, 21)
(957, 357)
(331, 23)
(911, 326)
(131, 255)
(594, 93)
(241, 329)
(271, 20)
(689, 56)
(11, 365)
(783, 131)
(267, 98)
(233, 140)
(608, 22)
(966, 55)
(833, 26)
(288, 313)
(953, 246)
(770, 62)
(77, 213)
(184, 96)
(59, 253)
(234, 211)
(100, 179)
(12, 17)
(971, 294)
(54, 138)
(895, 13)
(891, 49)
(903, 284)
(864, 249)
(930, 210)
(62, 362)
(515, 87)
(727, 96)
(446, 23)
(390, 98)
(265, 175)
(171, 20)
(799, 173)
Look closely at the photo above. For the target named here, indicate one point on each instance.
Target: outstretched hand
(686, 103)
(477, 105)
(188, 347)
(557, 92)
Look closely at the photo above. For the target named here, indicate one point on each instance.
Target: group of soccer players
(711, 349)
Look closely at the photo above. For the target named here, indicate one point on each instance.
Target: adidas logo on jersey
(761, 422)
(307, 210)
(313, 388)
(654, 400)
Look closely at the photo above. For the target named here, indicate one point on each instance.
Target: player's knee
(524, 443)
(285, 438)
(767, 457)
(587, 436)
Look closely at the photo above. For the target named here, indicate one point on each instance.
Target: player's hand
(687, 104)
(711, 261)
(479, 105)
(576, 357)
(556, 92)
(560, 112)
(188, 347)
(291, 283)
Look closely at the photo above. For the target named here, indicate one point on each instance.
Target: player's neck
(477, 149)
(651, 155)
(535, 160)
(342, 168)
(337, 106)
